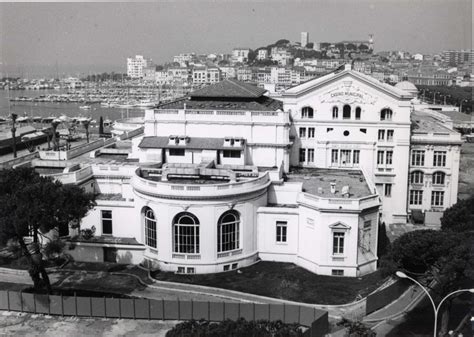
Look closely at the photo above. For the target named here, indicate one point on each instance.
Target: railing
(336, 203)
(20, 160)
(229, 253)
(186, 256)
(197, 114)
(74, 176)
(195, 190)
(154, 309)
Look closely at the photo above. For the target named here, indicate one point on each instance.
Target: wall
(142, 308)
(385, 296)
(93, 252)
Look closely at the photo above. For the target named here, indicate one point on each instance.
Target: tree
(351, 46)
(31, 205)
(282, 42)
(443, 256)
(310, 45)
(101, 126)
(459, 217)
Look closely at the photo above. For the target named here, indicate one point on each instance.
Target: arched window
(150, 227)
(335, 112)
(307, 112)
(416, 177)
(386, 114)
(438, 178)
(358, 111)
(186, 233)
(346, 112)
(228, 231)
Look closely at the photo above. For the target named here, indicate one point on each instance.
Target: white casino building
(228, 176)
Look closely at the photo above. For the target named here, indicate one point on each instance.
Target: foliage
(356, 329)
(459, 217)
(30, 204)
(383, 246)
(104, 77)
(87, 233)
(456, 95)
(310, 45)
(239, 328)
(54, 249)
(101, 126)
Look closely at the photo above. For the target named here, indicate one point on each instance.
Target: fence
(385, 296)
(138, 308)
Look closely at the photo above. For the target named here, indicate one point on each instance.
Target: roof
(317, 181)
(194, 143)
(229, 88)
(323, 80)
(263, 103)
(424, 123)
(407, 86)
(458, 117)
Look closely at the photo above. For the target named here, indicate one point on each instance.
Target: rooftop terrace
(317, 181)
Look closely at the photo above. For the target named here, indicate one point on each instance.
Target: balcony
(338, 203)
(197, 188)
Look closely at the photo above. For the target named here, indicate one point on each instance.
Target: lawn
(285, 281)
(466, 171)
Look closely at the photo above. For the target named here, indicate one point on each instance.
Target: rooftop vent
(333, 188)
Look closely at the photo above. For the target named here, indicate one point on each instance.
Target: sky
(69, 36)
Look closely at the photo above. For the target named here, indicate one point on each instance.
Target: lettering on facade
(348, 95)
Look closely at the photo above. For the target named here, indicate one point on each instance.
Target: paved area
(22, 324)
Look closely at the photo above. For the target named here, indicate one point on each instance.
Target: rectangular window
(281, 227)
(302, 155)
(335, 157)
(338, 243)
(380, 155)
(191, 270)
(231, 153)
(366, 236)
(310, 155)
(390, 135)
(227, 267)
(310, 132)
(181, 270)
(345, 157)
(439, 158)
(416, 197)
(302, 132)
(388, 190)
(337, 272)
(176, 152)
(106, 219)
(418, 158)
(437, 198)
(389, 158)
(381, 134)
(356, 157)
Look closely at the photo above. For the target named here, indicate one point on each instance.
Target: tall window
(416, 197)
(358, 111)
(366, 236)
(186, 233)
(106, 219)
(381, 134)
(310, 155)
(310, 132)
(380, 155)
(438, 178)
(228, 231)
(150, 228)
(416, 177)
(335, 112)
(281, 231)
(334, 157)
(439, 158)
(302, 155)
(307, 112)
(386, 114)
(345, 157)
(338, 243)
(418, 158)
(388, 190)
(356, 155)
(437, 198)
(302, 132)
(389, 135)
(346, 112)
(389, 158)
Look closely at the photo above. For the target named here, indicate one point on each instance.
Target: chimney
(333, 188)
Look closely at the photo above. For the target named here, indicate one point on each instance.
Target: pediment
(347, 92)
(340, 225)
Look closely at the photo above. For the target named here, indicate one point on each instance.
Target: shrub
(53, 249)
(88, 233)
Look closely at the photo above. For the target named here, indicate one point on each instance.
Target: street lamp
(435, 308)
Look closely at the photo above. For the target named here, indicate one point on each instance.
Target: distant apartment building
(363, 67)
(228, 72)
(417, 57)
(281, 55)
(457, 57)
(184, 59)
(304, 39)
(175, 75)
(262, 75)
(149, 74)
(244, 74)
(135, 66)
(206, 75)
(430, 77)
(262, 54)
(240, 54)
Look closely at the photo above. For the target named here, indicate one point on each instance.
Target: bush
(239, 328)
(53, 249)
(87, 233)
